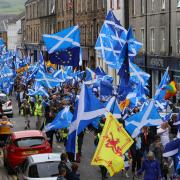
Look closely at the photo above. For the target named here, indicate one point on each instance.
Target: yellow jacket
(5, 127)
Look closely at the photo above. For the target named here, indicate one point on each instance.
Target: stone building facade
(89, 15)
(156, 23)
(39, 19)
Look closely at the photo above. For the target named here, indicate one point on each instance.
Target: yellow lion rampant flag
(113, 143)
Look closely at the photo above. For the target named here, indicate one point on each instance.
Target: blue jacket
(151, 168)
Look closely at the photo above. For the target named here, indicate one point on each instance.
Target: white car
(6, 105)
(40, 167)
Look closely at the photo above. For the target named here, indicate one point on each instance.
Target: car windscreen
(44, 169)
(3, 99)
(29, 141)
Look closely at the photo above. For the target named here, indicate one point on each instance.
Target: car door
(7, 147)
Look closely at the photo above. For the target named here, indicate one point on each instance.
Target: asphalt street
(87, 172)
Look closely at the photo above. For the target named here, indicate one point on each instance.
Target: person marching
(25, 110)
(38, 113)
(5, 129)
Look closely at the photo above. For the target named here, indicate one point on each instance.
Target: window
(152, 40)
(142, 7)
(163, 4)
(178, 39)
(86, 5)
(29, 141)
(118, 4)
(103, 4)
(92, 34)
(111, 4)
(143, 39)
(77, 6)
(81, 5)
(133, 7)
(162, 34)
(152, 5)
(178, 3)
(37, 170)
(92, 5)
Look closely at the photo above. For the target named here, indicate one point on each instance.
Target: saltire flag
(68, 57)
(133, 45)
(113, 143)
(161, 105)
(68, 38)
(32, 75)
(161, 90)
(178, 163)
(47, 80)
(87, 109)
(137, 75)
(113, 107)
(39, 90)
(171, 90)
(60, 75)
(42, 64)
(172, 148)
(106, 88)
(148, 116)
(1, 45)
(111, 39)
(6, 71)
(100, 72)
(62, 120)
(137, 97)
(90, 76)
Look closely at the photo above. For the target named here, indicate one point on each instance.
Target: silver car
(6, 105)
(40, 167)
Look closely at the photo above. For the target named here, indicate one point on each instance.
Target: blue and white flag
(133, 45)
(111, 40)
(68, 38)
(62, 120)
(40, 90)
(148, 116)
(113, 107)
(137, 75)
(90, 76)
(161, 90)
(42, 63)
(1, 43)
(47, 80)
(87, 109)
(106, 88)
(161, 105)
(99, 72)
(172, 148)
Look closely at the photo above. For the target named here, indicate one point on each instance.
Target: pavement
(87, 172)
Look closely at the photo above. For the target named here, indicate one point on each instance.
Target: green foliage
(12, 6)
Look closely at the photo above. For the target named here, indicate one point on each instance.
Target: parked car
(6, 105)
(39, 167)
(21, 144)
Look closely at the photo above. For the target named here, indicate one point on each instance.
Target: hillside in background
(11, 6)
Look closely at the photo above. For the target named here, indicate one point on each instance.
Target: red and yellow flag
(124, 104)
(171, 90)
(113, 143)
(25, 68)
